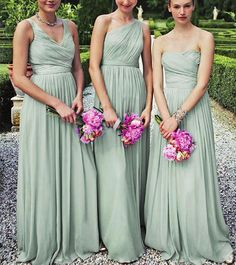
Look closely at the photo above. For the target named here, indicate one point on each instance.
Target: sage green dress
(122, 171)
(57, 182)
(183, 214)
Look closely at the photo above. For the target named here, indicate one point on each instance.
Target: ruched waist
(116, 63)
(178, 86)
(50, 70)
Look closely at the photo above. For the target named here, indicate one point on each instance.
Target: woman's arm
(206, 45)
(158, 79)
(77, 71)
(96, 52)
(22, 39)
(147, 73)
(207, 56)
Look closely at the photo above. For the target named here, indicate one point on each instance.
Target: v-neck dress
(57, 189)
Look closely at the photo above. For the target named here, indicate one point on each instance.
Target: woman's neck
(49, 17)
(183, 29)
(124, 17)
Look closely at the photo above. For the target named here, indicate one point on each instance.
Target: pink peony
(183, 139)
(131, 129)
(84, 139)
(169, 152)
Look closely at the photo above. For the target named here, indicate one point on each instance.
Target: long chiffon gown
(122, 172)
(57, 191)
(183, 214)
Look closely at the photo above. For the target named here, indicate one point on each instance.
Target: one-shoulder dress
(122, 171)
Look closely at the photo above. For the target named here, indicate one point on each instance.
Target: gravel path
(225, 135)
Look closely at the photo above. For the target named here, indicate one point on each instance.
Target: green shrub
(228, 16)
(222, 82)
(170, 23)
(6, 93)
(85, 64)
(157, 33)
(6, 54)
(229, 52)
(151, 24)
(216, 24)
(229, 41)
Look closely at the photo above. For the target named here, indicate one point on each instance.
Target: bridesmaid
(118, 40)
(183, 214)
(57, 191)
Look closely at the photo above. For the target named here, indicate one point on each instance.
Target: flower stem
(158, 119)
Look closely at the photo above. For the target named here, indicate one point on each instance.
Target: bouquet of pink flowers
(89, 124)
(180, 145)
(92, 126)
(131, 129)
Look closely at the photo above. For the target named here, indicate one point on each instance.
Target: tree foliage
(20, 10)
(205, 7)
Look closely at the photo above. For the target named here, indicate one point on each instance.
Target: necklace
(45, 21)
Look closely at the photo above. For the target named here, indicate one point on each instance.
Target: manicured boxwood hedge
(229, 52)
(85, 64)
(222, 82)
(7, 92)
(216, 24)
(6, 54)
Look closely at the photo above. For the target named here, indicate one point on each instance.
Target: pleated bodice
(56, 57)
(123, 45)
(181, 69)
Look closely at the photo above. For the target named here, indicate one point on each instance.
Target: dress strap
(66, 27)
(32, 23)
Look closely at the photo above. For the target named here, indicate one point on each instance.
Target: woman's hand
(67, 114)
(146, 117)
(110, 117)
(167, 127)
(77, 105)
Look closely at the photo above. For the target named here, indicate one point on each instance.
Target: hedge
(222, 82)
(6, 54)
(229, 41)
(7, 92)
(216, 24)
(229, 52)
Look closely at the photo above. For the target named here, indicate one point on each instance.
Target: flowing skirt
(183, 213)
(122, 171)
(57, 182)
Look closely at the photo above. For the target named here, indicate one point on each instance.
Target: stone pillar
(15, 112)
(17, 100)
